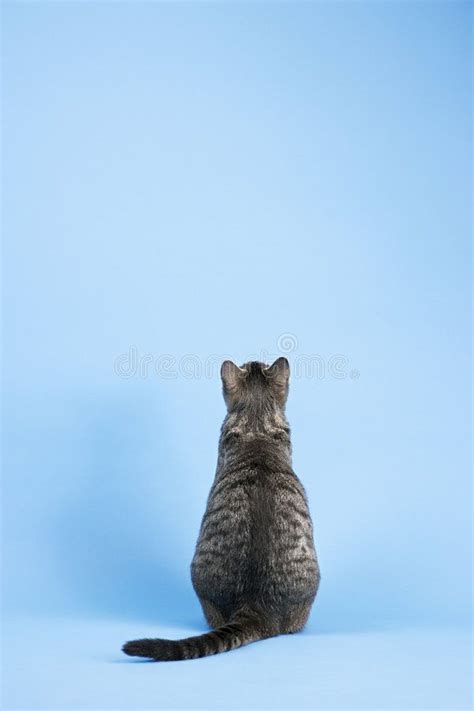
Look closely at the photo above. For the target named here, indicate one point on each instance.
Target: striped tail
(236, 634)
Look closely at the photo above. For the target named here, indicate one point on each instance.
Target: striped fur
(255, 568)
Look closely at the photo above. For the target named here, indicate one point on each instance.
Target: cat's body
(255, 569)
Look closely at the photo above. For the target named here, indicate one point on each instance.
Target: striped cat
(255, 568)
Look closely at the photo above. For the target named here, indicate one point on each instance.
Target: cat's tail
(243, 629)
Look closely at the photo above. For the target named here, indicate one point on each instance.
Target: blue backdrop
(185, 182)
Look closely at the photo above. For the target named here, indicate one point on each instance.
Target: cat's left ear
(279, 375)
(231, 375)
(232, 378)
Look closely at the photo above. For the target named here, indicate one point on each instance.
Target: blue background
(199, 179)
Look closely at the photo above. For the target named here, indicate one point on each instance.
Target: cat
(255, 568)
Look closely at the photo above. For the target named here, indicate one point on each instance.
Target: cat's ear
(278, 375)
(231, 376)
(279, 370)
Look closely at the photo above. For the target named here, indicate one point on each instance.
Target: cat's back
(256, 537)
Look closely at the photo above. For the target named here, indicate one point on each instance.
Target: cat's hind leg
(295, 619)
(212, 614)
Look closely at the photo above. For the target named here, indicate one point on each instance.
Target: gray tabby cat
(255, 569)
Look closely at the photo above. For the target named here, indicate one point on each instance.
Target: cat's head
(254, 382)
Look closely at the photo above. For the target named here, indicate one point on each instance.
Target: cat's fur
(255, 569)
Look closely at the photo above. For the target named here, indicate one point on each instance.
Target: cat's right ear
(231, 375)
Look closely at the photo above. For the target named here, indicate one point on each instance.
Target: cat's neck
(254, 421)
(242, 431)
